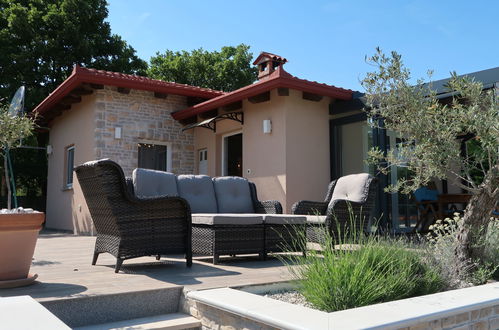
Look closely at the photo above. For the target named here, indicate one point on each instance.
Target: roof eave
(80, 76)
(260, 87)
(63, 89)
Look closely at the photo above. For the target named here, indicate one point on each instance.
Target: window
(69, 160)
(203, 162)
(154, 157)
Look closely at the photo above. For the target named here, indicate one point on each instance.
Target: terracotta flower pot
(18, 235)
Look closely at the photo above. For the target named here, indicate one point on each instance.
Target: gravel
(292, 297)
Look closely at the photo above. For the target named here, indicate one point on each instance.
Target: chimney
(268, 63)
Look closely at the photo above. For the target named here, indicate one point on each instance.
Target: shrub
(490, 255)
(365, 270)
(440, 252)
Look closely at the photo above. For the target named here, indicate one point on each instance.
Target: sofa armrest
(268, 207)
(309, 208)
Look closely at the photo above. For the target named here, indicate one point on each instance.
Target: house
(263, 131)
(288, 135)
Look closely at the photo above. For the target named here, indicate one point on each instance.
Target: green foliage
(225, 70)
(361, 271)
(440, 248)
(435, 129)
(41, 41)
(488, 260)
(13, 128)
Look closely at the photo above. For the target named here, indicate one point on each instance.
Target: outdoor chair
(426, 200)
(347, 208)
(130, 227)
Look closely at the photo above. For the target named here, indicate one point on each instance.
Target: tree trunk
(476, 218)
(7, 181)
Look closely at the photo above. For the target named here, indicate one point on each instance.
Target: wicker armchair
(312, 207)
(337, 215)
(128, 227)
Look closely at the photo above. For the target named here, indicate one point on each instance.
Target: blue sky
(325, 41)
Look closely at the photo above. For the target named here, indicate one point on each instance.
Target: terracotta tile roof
(81, 76)
(148, 83)
(278, 78)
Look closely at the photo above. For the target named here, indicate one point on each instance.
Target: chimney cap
(266, 56)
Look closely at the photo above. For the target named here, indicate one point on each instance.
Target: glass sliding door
(402, 206)
(351, 139)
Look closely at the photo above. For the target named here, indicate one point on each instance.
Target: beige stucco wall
(74, 127)
(264, 155)
(282, 164)
(307, 148)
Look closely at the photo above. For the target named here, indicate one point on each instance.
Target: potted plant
(18, 227)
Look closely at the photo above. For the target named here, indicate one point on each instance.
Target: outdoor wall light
(49, 149)
(267, 126)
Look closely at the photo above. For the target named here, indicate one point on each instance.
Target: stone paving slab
(63, 263)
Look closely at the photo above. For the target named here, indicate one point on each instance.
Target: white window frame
(168, 151)
(224, 168)
(67, 173)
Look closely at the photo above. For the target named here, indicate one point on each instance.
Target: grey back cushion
(354, 188)
(233, 195)
(198, 191)
(151, 183)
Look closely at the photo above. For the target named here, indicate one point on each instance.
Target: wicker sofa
(227, 217)
(128, 227)
(347, 207)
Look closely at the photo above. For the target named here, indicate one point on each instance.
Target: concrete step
(82, 311)
(173, 321)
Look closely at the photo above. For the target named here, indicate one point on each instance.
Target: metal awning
(212, 122)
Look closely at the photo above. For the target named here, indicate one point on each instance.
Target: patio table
(445, 199)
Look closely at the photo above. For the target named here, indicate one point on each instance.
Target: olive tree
(12, 130)
(434, 133)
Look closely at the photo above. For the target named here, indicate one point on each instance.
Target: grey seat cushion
(354, 188)
(226, 219)
(233, 195)
(316, 219)
(198, 191)
(284, 219)
(151, 183)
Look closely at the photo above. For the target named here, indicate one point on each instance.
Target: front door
(233, 155)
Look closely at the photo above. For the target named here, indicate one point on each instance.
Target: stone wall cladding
(479, 319)
(142, 118)
(215, 319)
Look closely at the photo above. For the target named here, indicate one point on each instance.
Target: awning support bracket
(211, 123)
